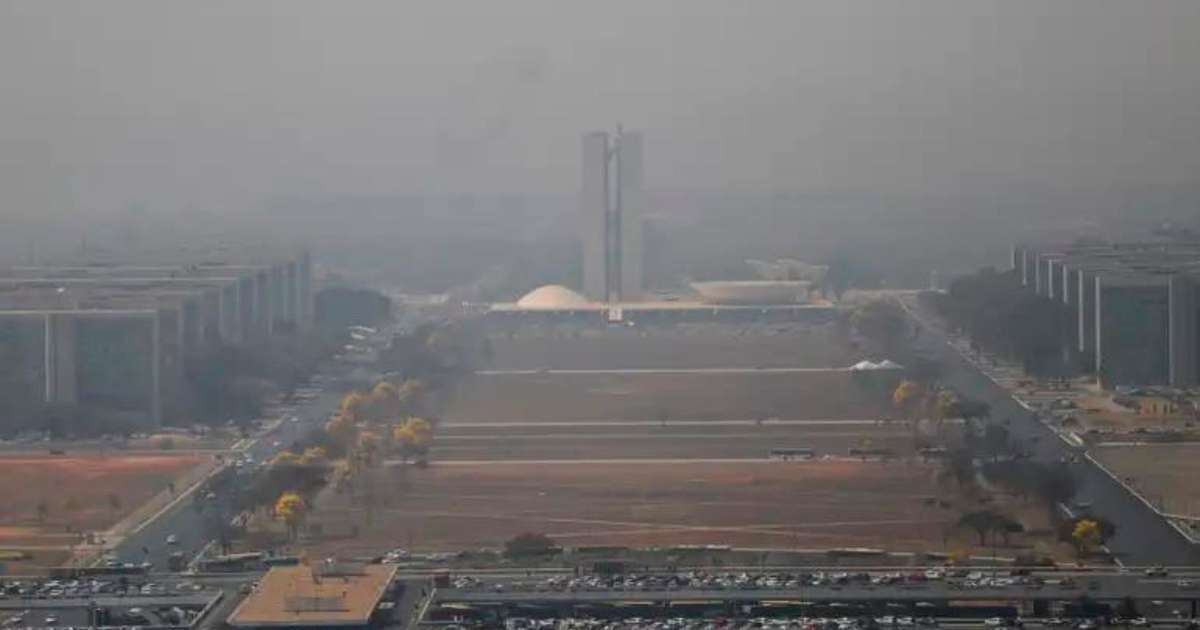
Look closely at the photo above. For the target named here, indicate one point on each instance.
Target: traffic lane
(1137, 525)
(189, 525)
(150, 543)
(1142, 537)
(311, 415)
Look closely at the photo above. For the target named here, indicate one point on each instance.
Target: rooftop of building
(314, 596)
(1133, 259)
(101, 272)
(227, 249)
(133, 284)
(84, 297)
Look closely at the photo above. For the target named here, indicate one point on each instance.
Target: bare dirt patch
(800, 505)
(690, 345)
(1163, 473)
(80, 493)
(674, 396)
(662, 458)
(674, 440)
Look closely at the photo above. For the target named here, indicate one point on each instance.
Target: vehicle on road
(176, 561)
(172, 539)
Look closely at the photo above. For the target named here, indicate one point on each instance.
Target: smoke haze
(222, 105)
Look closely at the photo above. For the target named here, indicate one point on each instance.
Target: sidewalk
(1008, 375)
(135, 520)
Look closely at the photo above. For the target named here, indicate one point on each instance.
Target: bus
(126, 569)
(787, 454)
(232, 563)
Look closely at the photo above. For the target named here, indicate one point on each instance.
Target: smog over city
(845, 315)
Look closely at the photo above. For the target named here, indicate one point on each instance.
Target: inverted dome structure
(552, 296)
(756, 292)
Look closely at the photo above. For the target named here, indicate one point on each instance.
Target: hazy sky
(223, 104)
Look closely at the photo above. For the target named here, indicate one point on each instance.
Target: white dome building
(552, 297)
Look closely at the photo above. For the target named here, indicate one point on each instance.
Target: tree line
(1005, 318)
(988, 454)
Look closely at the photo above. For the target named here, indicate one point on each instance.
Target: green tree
(1006, 526)
(973, 409)
(529, 544)
(981, 522)
(996, 441)
(959, 466)
(881, 322)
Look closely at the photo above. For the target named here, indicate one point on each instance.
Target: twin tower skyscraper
(612, 201)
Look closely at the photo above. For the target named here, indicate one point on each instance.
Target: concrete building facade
(593, 220)
(118, 337)
(612, 205)
(1135, 306)
(632, 207)
(1182, 334)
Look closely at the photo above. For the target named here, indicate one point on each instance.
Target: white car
(172, 539)
(993, 622)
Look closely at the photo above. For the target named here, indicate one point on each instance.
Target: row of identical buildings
(1133, 306)
(116, 336)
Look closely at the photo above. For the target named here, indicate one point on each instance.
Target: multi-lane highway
(1142, 537)
(191, 521)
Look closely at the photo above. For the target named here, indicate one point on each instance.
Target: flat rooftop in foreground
(290, 597)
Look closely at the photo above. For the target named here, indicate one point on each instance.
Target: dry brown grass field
(1163, 473)
(682, 345)
(660, 459)
(674, 396)
(78, 491)
(742, 503)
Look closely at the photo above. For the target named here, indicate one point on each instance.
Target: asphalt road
(194, 527)
(1142, 537)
